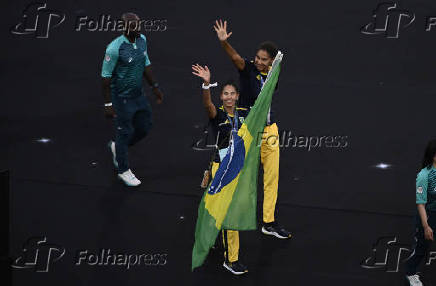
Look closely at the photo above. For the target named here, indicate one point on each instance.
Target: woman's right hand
(428, 233)
(221, 30)
(202, 72)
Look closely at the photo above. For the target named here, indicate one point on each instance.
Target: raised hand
(221, 30)
(202, 72)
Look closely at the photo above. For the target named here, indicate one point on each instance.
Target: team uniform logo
(419, 190)
(107, 58)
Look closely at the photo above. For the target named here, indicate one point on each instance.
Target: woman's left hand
(202, 72)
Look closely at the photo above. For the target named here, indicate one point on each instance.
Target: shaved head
(132, 24)
(126, 17)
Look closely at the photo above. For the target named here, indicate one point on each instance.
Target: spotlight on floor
(43, 140)
(383, 166)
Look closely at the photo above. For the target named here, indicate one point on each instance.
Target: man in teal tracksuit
(125, 64)
(426, 219)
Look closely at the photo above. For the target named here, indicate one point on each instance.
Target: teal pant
(422, 246)
(132, 123)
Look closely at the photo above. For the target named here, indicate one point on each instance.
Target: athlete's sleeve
(247, 67)
(245, 76)
(147, 59)
(421, 187)
(110, 61)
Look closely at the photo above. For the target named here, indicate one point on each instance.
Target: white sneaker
(129, 179)
(414, 280)
(111, 146)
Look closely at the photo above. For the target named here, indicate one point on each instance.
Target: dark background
(335, 81)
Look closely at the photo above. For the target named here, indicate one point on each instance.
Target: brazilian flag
(229, 202)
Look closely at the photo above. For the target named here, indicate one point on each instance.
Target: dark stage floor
(351, 209)
(328, 245)
(66, 191)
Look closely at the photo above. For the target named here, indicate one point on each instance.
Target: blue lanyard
(235, 125)
(262, 81)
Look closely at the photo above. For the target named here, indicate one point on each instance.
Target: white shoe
(414, 280)
(276, 230)
(235, 267)
(129, 179)
(111, 146)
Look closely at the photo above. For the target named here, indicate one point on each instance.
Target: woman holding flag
(224, 119)
(252, 77)
(230, 200)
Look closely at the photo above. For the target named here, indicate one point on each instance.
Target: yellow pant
(231, 245)
(270, 157)
(230, 237)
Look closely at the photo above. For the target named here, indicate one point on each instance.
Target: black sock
(267, 224)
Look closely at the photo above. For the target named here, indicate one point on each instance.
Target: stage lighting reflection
(43, 140)
(383, 166)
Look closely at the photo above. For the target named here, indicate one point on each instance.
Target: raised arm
(204, 73)
(221, 32)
